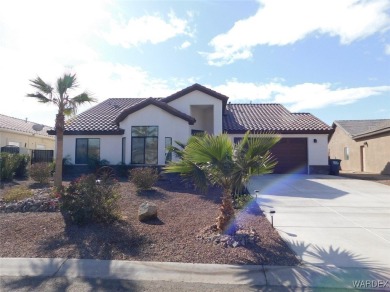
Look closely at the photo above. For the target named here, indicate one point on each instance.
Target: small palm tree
(216, 160)
(66, 106)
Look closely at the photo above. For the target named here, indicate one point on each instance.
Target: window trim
(168, 154)
(123, 150)
(76, 156)
(144, 144)
(346, 153)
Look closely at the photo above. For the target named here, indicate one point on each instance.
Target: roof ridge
(24, 120)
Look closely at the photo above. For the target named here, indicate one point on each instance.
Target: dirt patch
(182, 215)
(379, 178)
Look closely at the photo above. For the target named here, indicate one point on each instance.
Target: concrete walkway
(330, 221)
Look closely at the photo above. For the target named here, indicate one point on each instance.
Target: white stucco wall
(110, 147)
(196, 97)
(168, 126)
(317, 152)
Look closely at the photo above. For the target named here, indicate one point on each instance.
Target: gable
(200, 88)
(161, 105)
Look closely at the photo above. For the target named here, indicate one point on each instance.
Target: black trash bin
(334, 166)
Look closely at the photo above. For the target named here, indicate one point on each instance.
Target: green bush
(41, 172)
(88, 200)
(7, 166)
(22, 161)
(17, 193)
(13, 164)
(143, 178)
(241, 200)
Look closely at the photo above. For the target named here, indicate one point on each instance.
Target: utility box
(334, 166)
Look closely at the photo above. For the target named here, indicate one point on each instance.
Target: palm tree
(66, 106)
(216, 160)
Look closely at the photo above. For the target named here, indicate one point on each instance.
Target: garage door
(291, 154)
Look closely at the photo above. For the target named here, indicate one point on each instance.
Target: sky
(327, 57)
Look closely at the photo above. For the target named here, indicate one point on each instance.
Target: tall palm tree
(216, 160)
(66, 106)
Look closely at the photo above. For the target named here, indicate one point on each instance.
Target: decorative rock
(147, 211)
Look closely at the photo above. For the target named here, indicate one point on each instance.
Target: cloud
(305, 96)
(146, 29)
(185, 45)
(48, 38)
(387, 49)
(284, 22)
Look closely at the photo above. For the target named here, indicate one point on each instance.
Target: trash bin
(334, 166)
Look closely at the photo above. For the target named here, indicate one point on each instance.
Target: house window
(17, 144)
(346, 153)
(168, 154)
(87, 149)
(197, 132)
(124, 150)
(144, 145)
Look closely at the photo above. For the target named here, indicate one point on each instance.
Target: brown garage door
(291, 154)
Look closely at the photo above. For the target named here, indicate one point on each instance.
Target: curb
(305, 276)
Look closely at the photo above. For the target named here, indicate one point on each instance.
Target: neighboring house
(137, 131)
(24, 134)
(362, 145)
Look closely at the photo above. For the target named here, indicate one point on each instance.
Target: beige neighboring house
(362, 145)
(24, 134)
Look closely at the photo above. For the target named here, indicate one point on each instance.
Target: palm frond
(39, 96)
(69, 111)
(41, 85)
(65, 83)
(83, 98)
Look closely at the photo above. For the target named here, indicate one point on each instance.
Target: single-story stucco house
(136, 131)
(24, 134)
(362, 145)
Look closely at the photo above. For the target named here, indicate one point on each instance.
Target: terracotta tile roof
(100, 119)
(23, 126)
(105, 117)
(240, 118)
(363, 128)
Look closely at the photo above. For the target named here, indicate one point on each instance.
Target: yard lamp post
(272, 212)
(256, 192)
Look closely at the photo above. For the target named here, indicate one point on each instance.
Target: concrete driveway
(329, 220)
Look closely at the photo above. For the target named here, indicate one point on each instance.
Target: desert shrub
(41, 172)
(88, 200)
(7, 166)
(241, 200)
(95, 162)
(17, 193)
(13, 164)
(21, 163)
(143, 178)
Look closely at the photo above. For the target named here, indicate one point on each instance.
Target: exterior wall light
(315, 140)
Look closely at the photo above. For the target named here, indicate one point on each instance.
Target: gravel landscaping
(183, 232)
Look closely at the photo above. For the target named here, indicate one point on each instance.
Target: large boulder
(147, 211)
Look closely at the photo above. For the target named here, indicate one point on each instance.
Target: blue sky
(330, 58)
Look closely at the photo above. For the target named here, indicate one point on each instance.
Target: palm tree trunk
(226, 220)
(60, 121)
